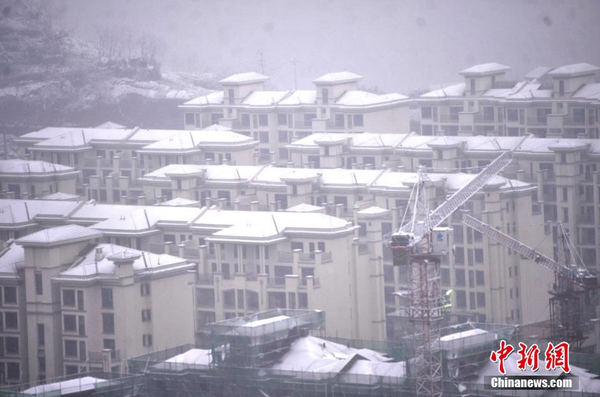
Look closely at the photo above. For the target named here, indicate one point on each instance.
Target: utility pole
(294, 62)
(261, 62)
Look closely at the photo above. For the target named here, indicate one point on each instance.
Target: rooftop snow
(248, 77)
(12, 258)
(18, 166)
(66, 387)
(456, 90)
(59, 234)
(59, 196)
(264, 98)
(338, 77)
(574, 69)
(179, 202)
(215, 98)
(300, 97)
(364, 98)
(186, 140)
(303, 207)
(144, 261)
(538, 72)
(265, 321)
(485, 68)
(111, 125)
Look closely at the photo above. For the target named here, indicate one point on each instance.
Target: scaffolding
(105, 384)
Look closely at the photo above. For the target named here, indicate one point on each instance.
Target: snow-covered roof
(188, 140)
(192, 357)
(485, 68)
(23, 167)
(588, 91)
(59, 196)
(264, 98)
(67, 387)
(538, 72)
(12, 258)
(455, 90)
(303, 207)
(59, 234)
(576, 69)
(244, 78)
(364, 98)
(111, 125)
(179, 202)
(300, 97)
(338, 77)
(214, 98)
(143, 261)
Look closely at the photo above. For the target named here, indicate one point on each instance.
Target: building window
(302, 300)
(459, 277)
(10, 295)
(245, 120)
(480, 299)
(263, 136)
(461, 299)
(108, 323)
(39, 286)
(579, 115)
(11, 320)
(358, 120)
(459, 256)
(472, 86)
(69, 323)
(231, 96)
(283, 154)
(146, 315)
(71, 370)
(11, 345)
(263, 120)
(282, 136)
(70, 348)
(426, 112)
(282, 119)
(80, 304)
(147, 340)
(561, 87)
(107, 298)
(189, 119)
(145, 289)
(41, 335)
(325, 96)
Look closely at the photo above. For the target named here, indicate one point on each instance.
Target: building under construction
(277, 353)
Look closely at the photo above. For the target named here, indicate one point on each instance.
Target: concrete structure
(560, 102)
(70, 300)
(247, 260)
(31, 179)
(565, 171)
(275, 117)
(111, 159)
(487, 280)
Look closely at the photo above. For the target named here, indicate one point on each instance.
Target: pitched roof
(364, 98)
(60, 234)
(485, 68)
(248, 77)
(574, 69)
(18, 166)
(338, 77)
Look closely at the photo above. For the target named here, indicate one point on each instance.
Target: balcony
(205, 279)
(332, 125)
(485, 119)
(303, 125)
(537, 120)
(277, 282)
(570, 120)
(126, 164)
(191, 253)
(452, 117)
(304, 257)
(237, 124)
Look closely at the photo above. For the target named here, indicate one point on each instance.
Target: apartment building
(274, 118)
(482, 275)
(71, 303)
(111, 159)
(549, 102)
(565, 171)
(247, 260)
(32, 179)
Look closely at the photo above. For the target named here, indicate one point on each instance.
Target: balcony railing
(126, 164)
(481, 118)
(237, 124)
(191, 253)
(570, 120)
(302, 124)
(276, 282)
(537, 120)
(332, 125)
(444, 118)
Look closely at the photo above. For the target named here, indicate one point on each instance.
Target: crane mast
(571, 278)
(417, 244)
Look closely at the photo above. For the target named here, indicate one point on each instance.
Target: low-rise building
(31, 179)
(552, 102)
(274, 118)
(67, 298)
(111, 159)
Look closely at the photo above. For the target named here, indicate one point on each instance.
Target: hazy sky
(397, 45)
